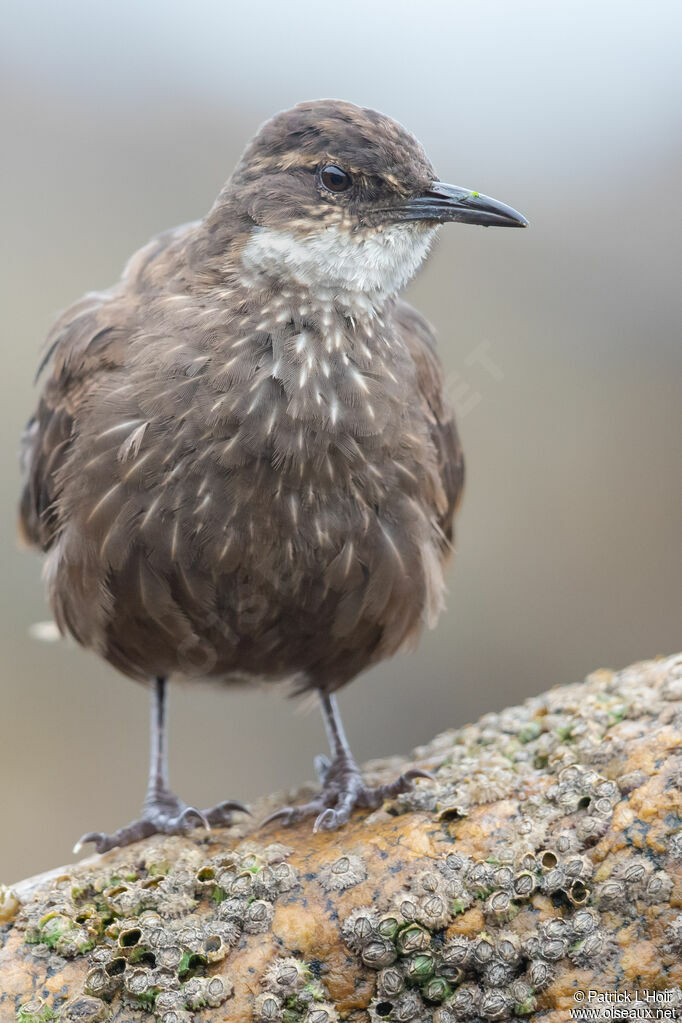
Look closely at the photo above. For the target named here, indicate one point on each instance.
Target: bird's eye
(334, 179)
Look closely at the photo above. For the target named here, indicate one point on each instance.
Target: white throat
(377, 264)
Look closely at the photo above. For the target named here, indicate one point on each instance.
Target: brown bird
(243, 465)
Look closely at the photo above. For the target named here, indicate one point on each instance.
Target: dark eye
(335, 179)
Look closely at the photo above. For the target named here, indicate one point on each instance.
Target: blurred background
(561, 345)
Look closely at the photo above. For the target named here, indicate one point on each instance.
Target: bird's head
(341, 197)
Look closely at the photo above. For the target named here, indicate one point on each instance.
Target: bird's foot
(163, 814)
(342, 790)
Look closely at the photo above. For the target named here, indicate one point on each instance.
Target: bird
(243, 466)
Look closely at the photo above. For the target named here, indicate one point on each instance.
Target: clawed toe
(98, 838)
(287, 815)
(185, 821)
(221, 814)
(168, 816)
(342, 790)
(133, 832)
(328, 820)
(402, 784)
(283, 815)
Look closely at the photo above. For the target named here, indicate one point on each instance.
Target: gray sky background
(561, 346)
(488, 76)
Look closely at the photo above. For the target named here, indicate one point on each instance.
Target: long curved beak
(444, 203)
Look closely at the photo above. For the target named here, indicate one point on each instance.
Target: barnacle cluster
(547, 848)
(157, 935)
(427, 972)
(541, 903)
(292, 994)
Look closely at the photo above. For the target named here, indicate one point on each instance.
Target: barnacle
(99, 983)
(503, 876)
(540, 974)
(321, 1012)
(565, 842)
(524, 883)
(388, 926)
(554, 880)
(593, 946)
(494, 1003)
(466, 1000)
(268, 1008)
(408, 907)
(427, 881)
(342, 873)
(456, 952)
(553, 949)
(420, 966)
(285, 876)
(413, 939)
(136, 981)
(378, 952)
(168, 1001)
(591, 828)
(433, 911)
(482, 950)
(657, 887)
(454, 863)
(508, 947)
(258, 916)
(523, 998)
(480, 877)
(205, 880)
(497, 974)
(436, 989)
(286, 976)
(233, 908)
(610, 893)
(390, 982)
(499, 906)
(83, 1009)
(360, 927)
(241, 885)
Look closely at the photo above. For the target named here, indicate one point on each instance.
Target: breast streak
(258, 528)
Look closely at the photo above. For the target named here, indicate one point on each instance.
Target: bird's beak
(443, 202)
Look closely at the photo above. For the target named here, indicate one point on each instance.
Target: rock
(544, 860)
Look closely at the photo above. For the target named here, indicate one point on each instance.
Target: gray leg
(342, 786)
(162, 812)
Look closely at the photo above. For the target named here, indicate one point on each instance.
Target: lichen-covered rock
(545, 858)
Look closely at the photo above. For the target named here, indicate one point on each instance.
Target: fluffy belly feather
(251, 571)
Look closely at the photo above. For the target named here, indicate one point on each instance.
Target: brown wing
(88, 341)
(420, 338)
(79, 345)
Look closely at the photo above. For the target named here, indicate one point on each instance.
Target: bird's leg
(162, 812)
(342, 785)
